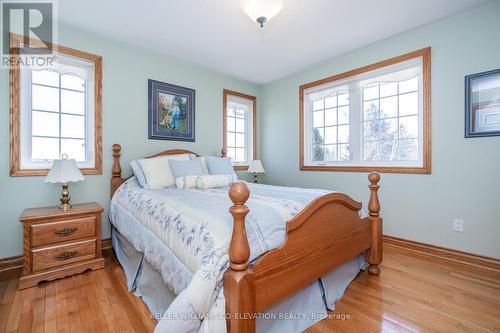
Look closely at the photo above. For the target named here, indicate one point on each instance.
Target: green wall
(465, 179)
(126, 70)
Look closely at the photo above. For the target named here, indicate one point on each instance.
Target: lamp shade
(256, 167)
(261, 8)
(64, 171)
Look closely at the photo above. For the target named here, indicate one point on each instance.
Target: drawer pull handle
(66, 231)
(65, 255)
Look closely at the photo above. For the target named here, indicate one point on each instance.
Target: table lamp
(62, 172)
(255, 167)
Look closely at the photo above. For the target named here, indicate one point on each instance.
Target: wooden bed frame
(325, 234)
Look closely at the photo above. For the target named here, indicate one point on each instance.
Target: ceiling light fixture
(261, 10)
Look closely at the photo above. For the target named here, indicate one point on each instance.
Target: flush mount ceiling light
(261, 10)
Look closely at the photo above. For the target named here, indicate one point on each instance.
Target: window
(56, 112)
(372, 118)
(239, 128)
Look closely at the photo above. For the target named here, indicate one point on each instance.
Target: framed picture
(482, 104)
(170, 112)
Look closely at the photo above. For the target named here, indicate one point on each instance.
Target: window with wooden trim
(56, 111)
(239, 127)
(375, 118)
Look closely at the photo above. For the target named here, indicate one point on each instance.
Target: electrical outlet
(458, 225)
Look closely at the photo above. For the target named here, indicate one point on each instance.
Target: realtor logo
(33, 26)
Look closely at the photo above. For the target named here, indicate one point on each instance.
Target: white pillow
(186, 181)
(214, 181)
(157, 170)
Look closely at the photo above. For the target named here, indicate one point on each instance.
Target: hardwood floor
(414, 293)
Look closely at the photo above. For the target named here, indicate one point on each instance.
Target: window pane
(231, 139)
(409, 85)
(331, 134)
(388, 89)
(240, 140)
(331, 102)
(231, 112)
(45, 98)
(388, 129)
(70, 81)
(330, 152)
(240, 155)
(45, 123)
(330, 117)
(240, 113)
(370, 110)
(387, 150)
(370, 92)
(44, 148)
(72, 102)
(74, 149)
(389, 107)
(72, 126)
(231, 124)
(371, 131)
(318, 120)
(408, 127)
(344, 154)
(343, 98)
(343, 115)
(408, 104)
(46, 77)
(231, 152)
(318, 136)
(343, 133)
(240, 125)
(318, 153)
(318, 105)
(407, 150)
(370, 151)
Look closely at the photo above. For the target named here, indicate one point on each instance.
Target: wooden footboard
(325, 234)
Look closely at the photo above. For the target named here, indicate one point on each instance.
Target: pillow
(136, 168)
(186, 181)
(214, 181)
(220, 166)
(157, 170)
(203, 162)
(186, 168)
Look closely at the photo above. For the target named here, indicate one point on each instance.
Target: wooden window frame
(14, 109)
(425, 53)
(225, 94)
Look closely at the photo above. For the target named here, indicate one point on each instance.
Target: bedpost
(374, 254)
(239, 278)
(223, 152)
(116, 171)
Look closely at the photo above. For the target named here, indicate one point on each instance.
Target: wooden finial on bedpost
(374, 254)
(116, 171)
(239, 278)
(239, 250)
(223, 152)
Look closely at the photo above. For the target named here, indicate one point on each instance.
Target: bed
(295, 252)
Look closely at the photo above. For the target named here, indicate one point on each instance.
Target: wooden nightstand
(59, 243)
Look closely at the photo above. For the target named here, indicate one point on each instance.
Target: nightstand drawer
(62, 231)
(58, 255)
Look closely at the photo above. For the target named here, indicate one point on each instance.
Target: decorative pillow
(203, 162)
(157, 170)
(214, 181)
(186, 182)
(220, 166)
(186, 168)
(136, 168)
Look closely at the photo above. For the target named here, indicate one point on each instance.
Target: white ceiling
(217, 35)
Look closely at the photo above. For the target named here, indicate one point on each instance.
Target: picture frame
(482, 104)
(171, 112)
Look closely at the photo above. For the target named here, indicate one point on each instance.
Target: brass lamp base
(65, 198)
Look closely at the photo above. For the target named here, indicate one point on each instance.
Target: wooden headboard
(116, 171)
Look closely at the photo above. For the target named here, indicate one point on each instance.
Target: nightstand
(59, 243)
